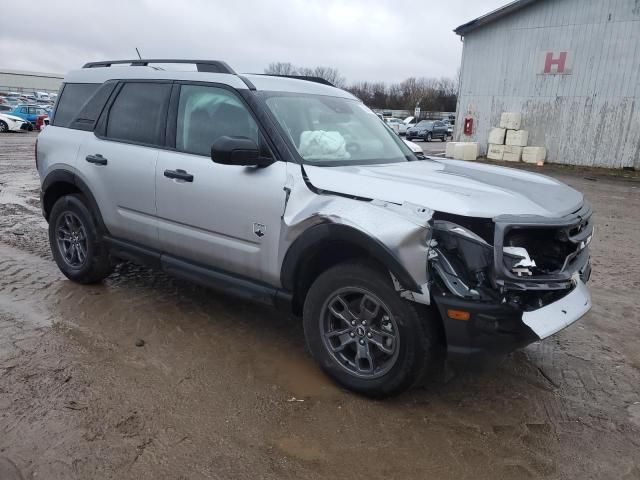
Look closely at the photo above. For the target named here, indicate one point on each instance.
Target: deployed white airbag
(322, 145)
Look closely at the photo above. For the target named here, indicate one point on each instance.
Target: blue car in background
(29, 113)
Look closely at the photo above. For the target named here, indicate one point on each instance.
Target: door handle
(179, 174)
(97, 159)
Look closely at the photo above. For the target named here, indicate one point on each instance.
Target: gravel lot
(224, 389)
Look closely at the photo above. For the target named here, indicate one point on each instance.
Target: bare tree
(429, 93)
(330, 74)
(281, 68)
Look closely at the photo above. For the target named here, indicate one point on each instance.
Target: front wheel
(428, 137)
(364, 335)
(3, 127)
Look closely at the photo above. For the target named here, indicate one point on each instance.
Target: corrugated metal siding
(591, 117)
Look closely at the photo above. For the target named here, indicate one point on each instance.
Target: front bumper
(495, 329)
(554, 317)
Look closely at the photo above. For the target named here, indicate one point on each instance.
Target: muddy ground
(224, 389)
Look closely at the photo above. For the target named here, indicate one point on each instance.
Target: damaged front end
(514, 279)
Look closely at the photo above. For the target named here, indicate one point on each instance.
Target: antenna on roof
(138, 52)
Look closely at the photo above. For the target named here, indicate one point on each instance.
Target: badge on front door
(259, 229)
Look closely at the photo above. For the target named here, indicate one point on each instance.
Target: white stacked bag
(509, 142)
(462, 150)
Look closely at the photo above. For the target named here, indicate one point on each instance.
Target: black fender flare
(316, 235)
(66, 176)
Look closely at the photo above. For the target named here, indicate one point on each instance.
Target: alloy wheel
(71, 237)
(359, 332)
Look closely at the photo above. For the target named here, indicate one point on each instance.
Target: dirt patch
(224, 389)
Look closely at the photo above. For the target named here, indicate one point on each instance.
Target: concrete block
(534, 154)
(448, 152)
(495, 152)
(511, 120)
(496, 136)
(518, 138)
(465, 151)
(512, 153)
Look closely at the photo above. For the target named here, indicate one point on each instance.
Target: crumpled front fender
(397, 235)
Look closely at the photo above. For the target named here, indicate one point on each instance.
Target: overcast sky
(386, 40)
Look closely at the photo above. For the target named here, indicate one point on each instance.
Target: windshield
(330, 131)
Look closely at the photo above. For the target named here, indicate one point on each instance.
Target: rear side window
(137, 113)
(90, 111)
(72, 98)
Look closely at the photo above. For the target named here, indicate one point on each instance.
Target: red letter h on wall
(558, 62)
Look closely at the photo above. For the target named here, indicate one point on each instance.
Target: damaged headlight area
(463, 260)
(521, 261)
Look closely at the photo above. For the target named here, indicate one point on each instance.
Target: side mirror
(238, 151)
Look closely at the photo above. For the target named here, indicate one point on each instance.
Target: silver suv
(292, 193)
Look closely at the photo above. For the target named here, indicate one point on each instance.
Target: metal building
(29, 82)
(571, 67)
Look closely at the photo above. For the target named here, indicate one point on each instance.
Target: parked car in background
(28, 112)
(11, 123)
(427, 130)
(410, 121)
(12, 101)
(42, 121)
(398, 125)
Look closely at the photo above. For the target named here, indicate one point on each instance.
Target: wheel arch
(322, 246)
(62, 182)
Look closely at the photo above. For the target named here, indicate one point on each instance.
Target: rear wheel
(363, 334)
(76, 242)
(444, 136)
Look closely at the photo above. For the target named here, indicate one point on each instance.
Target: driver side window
(208, 113)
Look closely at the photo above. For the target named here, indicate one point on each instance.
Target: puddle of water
(294, 371)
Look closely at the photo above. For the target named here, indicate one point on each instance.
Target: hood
(452, 186)
(11, 117)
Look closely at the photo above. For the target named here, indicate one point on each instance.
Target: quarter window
(208, 113)
(72, 98)
(137, 113)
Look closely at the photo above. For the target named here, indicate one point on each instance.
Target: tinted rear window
(73, 97)
(90, 111)
(136, 114)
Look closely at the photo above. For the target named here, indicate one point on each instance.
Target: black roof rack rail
(210, 66)
(302, 77)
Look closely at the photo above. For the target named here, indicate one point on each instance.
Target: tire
(3, 127)
(408, 334)
(72, 227)
(444, 137)
(428, 137)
